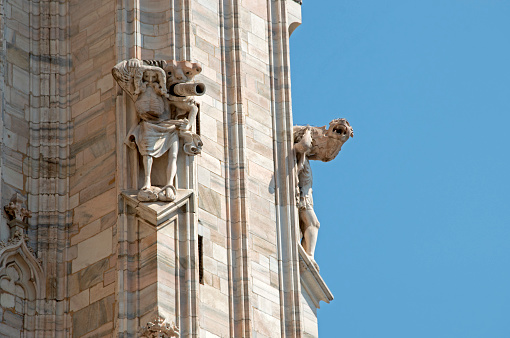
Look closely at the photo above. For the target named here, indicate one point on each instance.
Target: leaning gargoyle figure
(315, 143)
(163, 95)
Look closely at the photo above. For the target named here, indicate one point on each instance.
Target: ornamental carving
(163, 94)
(18, 217)
(159, 328)
(15, 209)
(315, 143)
(22, 281)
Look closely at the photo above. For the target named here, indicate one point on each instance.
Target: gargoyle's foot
(167, 193)
(147, 195)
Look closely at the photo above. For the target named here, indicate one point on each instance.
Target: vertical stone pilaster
(237, 208)
(287, 220)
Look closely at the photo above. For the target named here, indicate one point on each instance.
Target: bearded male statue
(315, 143)
(163, 95)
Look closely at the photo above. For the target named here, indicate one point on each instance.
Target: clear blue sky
(415, 210)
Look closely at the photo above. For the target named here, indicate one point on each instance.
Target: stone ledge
(311, 280)
(158, 212)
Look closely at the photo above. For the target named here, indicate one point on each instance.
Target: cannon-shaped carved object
(187, 89)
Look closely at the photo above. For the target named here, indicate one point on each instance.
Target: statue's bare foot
(167, 193)
(147, 195)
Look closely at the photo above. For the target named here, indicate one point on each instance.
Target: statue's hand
(133, 63)
(183, 124)
(307, 139)
(304, 146)
(300, 167)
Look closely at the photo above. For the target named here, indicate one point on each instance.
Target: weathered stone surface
(92, 274)
(12, 319)
(209, 200)
(93, 249)
(79, 301)
(93, 316)
(95, 208)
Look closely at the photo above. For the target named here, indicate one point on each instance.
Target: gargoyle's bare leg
(310, 230)
(147, 166)
(172, 159)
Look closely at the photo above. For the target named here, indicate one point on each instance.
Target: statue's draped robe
(154, 139)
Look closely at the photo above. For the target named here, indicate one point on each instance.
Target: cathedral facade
(152, 181)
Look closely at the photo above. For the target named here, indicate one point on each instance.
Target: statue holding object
(315, 143)
(163, 94)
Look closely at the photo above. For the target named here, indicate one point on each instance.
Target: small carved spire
(159, 328)
(16, 211)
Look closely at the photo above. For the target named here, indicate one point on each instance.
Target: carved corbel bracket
(157, 213)
(311, 280)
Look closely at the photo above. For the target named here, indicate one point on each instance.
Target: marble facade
(221, 257)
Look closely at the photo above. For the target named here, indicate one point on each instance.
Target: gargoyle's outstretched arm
(303, 148)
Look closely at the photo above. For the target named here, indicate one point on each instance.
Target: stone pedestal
(158, 265)
(313, 290)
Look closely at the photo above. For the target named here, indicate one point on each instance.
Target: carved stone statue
(163, 95)
(315, 143)
(159, 328)
(15, 209)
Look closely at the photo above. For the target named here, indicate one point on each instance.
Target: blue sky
(415, 222)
